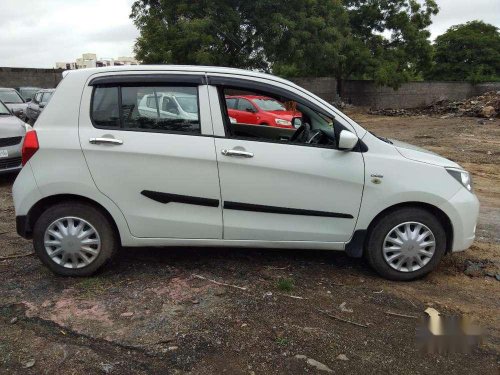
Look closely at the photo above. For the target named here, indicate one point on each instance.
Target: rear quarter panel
(59, 166)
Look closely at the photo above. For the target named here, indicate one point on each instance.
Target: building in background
(90, 60)
(66, 65)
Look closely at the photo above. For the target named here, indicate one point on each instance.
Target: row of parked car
(18, 106)
(26, 102)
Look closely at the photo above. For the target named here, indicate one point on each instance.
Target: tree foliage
(469, 51)
(385, 40)
(396, 36)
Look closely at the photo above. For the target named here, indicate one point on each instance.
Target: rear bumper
(463, 211)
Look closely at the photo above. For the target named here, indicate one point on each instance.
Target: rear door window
(231, 103)
(147, 108)
(105, 107)
(245, 105)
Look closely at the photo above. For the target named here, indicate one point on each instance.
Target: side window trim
(148, 79)
(232, 82)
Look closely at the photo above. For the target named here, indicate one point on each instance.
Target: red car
(259, 110)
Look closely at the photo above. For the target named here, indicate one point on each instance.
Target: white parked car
(100, 174)
(169, 105)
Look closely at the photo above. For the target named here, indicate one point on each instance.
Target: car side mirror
(251, 110)
(296, 122)
(347, 140)
(41, 105)
(28, 100)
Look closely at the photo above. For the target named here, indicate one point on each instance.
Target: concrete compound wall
(409, 95)
(324, 87)
(361, 93)
(16, 77)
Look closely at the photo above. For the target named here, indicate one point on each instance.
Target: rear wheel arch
(438, 213)
(36, 211)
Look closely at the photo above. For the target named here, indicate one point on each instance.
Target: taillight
(30, 146)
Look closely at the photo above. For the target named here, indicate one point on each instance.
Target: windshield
(46, 96)
(188, 104)
(269, 105)
(3, 109)
(10, 96)
(28, 93)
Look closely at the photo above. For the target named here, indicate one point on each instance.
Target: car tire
(92, 220)
(390, 227)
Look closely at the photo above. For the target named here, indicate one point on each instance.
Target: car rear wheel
(74, 239)
(406, 244)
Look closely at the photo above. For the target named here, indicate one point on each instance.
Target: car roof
(177, 68)
(7, 89)
(46, 90)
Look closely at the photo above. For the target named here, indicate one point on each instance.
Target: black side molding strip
(168, 198)
(282, 210)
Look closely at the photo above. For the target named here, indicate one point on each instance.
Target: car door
(161, 173)
(278, 191)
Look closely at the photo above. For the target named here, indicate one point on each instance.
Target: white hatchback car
(99, 174)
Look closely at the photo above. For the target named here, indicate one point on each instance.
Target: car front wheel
(406, 244)
(74, 239)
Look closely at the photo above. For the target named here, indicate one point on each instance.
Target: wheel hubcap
(72, 242)
(409, 246)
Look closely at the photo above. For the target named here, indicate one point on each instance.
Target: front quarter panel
(392, 179)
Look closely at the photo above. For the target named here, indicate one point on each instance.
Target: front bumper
(463, 211)
(10, 170)
(10, 165)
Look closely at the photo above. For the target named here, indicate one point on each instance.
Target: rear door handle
(243, 154)
(113, 141)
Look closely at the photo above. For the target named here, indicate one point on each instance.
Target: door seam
(216, 156)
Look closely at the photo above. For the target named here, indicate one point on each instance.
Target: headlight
(461, 176)
(280, 121)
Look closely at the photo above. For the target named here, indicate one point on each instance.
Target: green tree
(208, 32)
(371, 39)
(395, 39)
(469, 51)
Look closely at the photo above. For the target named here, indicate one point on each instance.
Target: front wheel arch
(438, 213)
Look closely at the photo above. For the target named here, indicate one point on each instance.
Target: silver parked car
(14, 101)
(36, 106)
(12, 131)
(28, 92)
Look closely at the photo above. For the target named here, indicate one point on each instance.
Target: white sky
(37, 33)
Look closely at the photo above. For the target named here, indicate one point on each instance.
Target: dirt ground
(149, 314)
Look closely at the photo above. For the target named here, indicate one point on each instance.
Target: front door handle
(243, 154)
(113, 141)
